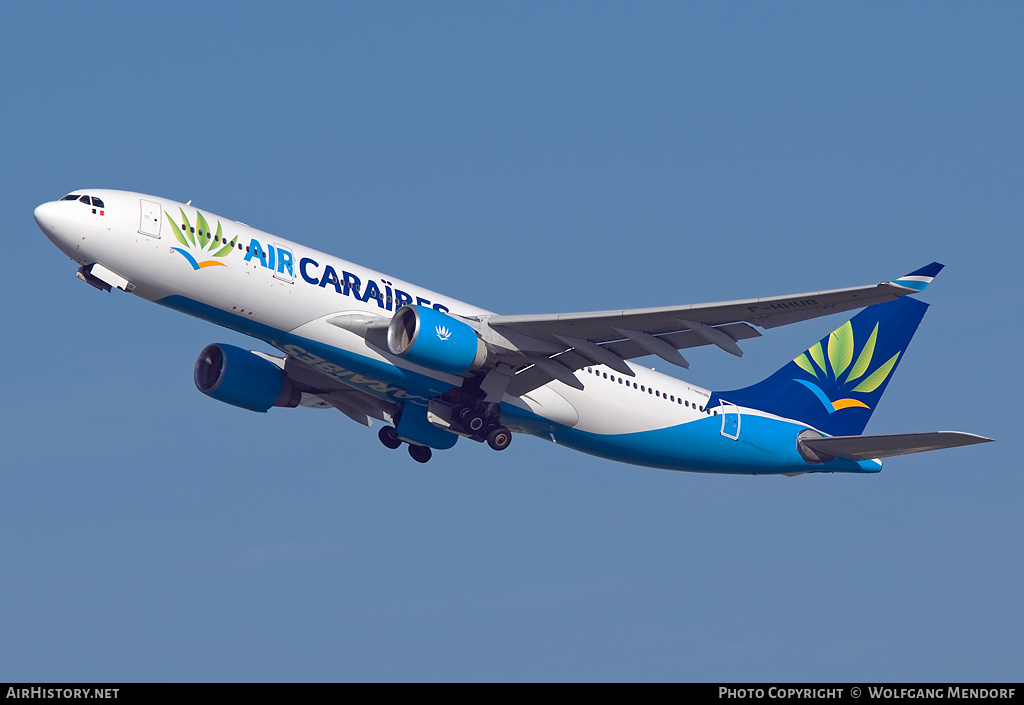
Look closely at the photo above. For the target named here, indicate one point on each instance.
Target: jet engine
(241, 378)
(435, 340)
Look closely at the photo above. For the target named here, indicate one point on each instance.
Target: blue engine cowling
(435, 340)
(241, 378)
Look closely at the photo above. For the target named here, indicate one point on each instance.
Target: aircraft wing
(320, 391)
(557, 344)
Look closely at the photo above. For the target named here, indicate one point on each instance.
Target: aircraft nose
(48, 218)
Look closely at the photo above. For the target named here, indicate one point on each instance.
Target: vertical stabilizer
(836, 384)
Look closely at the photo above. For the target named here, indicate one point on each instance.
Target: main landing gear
(420, 454)
(481, 422)
(462, 411)
(389, 437)
(497, 436)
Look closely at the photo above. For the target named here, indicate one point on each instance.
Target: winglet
(920, 278)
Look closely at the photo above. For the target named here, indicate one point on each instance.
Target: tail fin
(836, 384)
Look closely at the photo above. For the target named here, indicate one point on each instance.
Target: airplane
(435, 369)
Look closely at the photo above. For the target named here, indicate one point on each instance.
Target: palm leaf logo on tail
(835, 368)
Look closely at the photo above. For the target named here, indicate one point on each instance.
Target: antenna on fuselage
(188, 202)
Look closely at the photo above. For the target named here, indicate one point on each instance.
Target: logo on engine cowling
(442, 332)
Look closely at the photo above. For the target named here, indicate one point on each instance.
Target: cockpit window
(70, 197)
(97, 202)
(85, 200)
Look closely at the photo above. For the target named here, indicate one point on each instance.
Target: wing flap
(627, 349)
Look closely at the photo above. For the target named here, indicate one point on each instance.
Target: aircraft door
(149, 222)
(284, 268)
(730, 420)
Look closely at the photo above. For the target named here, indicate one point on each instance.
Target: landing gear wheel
(474, 422)
(420, 454)
(389, 437)
(499, 438)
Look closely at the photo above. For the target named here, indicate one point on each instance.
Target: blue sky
(530, 158)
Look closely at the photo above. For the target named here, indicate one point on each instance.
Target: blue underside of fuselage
(765, 445)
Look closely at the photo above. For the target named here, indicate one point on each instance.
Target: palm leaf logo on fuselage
(836, 369)
(200, 243)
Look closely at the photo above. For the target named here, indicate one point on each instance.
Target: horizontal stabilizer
(870, 447)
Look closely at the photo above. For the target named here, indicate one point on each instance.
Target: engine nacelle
(435, 340)
(241, 378)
